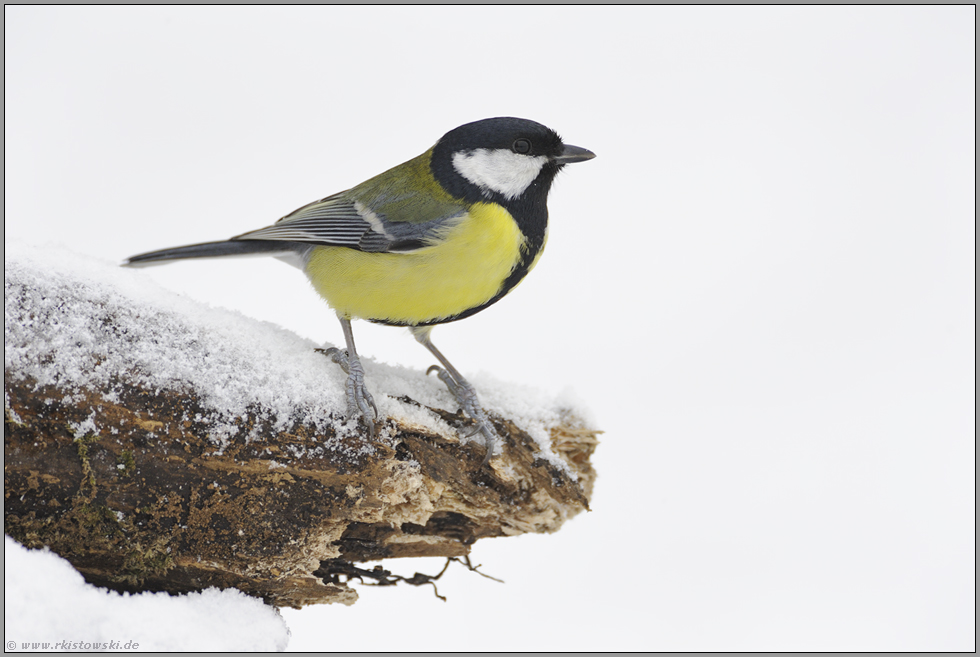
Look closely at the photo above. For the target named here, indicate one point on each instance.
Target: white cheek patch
(502, 171)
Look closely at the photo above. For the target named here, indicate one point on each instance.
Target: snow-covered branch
(160, 444)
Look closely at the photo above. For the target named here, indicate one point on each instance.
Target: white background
(762, 287)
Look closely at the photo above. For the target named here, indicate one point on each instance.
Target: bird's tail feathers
(216, 250)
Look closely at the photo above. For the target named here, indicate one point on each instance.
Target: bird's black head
(504, 160)
(511, 162)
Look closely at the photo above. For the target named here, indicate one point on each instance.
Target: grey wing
(339, 220)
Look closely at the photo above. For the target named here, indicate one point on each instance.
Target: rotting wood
(147, 504)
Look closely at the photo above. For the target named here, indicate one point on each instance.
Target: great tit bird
(433, 240)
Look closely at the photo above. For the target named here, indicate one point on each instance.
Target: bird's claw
(360, 403)
(338, 356)
(470, 403)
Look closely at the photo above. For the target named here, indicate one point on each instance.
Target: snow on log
(160, 444)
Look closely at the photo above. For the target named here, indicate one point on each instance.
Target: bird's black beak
(573, 154)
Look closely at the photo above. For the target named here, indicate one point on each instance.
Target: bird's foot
(360, 403)
(470, 403)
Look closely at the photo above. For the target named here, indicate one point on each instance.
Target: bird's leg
(464, 393)
(360, 403)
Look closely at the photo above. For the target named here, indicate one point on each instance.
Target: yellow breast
(464, 270)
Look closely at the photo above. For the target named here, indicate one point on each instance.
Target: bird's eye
(522, 146)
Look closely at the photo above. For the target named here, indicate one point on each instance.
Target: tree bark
(149, 503)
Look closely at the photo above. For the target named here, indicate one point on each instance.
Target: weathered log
(126, 481)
